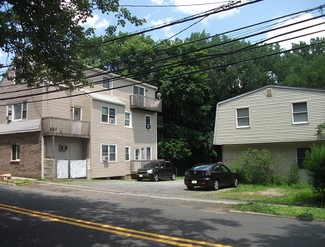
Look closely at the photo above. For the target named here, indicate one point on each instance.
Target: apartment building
(94, 132)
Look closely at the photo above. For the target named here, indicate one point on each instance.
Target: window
(301, 154)
(148, 122)
(243, 117)
(15, 152)
(108, 115)
(299, 112)
(108, 153)
(148, 153)
(127, 153)
(107, 83)
(76, 113)
(17, 111)
(137, 154)
(127, 122)
(111, 115)
(138, 90)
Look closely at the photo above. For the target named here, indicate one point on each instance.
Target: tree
(47, 37)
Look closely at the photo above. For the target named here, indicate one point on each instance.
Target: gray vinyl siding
(270, 117)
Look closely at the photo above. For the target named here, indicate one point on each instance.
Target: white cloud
(287, 44)
(96, 22)
(211, 4)
(167, 30)
(158, 2)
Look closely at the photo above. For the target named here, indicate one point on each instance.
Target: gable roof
(104, 98)
(272, 86)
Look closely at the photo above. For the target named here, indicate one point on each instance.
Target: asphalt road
(131, 213)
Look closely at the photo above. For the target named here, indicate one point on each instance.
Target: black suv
(155, 170)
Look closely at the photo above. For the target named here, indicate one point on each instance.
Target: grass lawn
(299, 200)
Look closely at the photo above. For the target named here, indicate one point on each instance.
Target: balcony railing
(65, 127)
(146, 103)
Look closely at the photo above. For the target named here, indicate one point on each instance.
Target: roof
(272, 86)
(105, 98)
(20, 127)
(116, 76)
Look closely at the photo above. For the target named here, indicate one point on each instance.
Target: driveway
(174, 190)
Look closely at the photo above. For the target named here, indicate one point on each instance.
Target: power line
(170, 77)
(194, 50)
(170, 5)
(232, 5)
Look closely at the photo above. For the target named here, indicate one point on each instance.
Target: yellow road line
(111, 229)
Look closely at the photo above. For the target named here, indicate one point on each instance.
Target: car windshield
(205, 167)
(151, 165)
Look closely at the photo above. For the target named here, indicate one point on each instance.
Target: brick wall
(30, 154)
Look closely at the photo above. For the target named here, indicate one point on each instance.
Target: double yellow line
(175, 241)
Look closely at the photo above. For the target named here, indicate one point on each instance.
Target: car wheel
(155, 177)
(235, 182)
(173, 177)
(215, 185)
(190, 187)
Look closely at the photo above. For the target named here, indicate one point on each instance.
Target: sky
(166, 11)
(158, 12)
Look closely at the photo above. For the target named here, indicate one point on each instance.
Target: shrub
(315, 162)
(293, 176)
(256, 167)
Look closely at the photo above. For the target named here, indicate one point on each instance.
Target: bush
(315, 162)
(256, 167)
(293, 176)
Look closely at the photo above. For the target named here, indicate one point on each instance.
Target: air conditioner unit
(148, 126)
(112, 120)
(105, 158)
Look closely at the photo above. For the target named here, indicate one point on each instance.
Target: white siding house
(280, 119)
(110, 126)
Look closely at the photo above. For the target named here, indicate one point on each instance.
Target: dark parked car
(155, 170)
(210, 176)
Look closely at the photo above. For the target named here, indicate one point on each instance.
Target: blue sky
(214, 24)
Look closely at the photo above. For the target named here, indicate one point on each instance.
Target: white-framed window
(15, 152)
(108, 115)
(17, 112)
(107, 83)
(242, 117)
(76, 113)
(148, 122)
(148, 153)
(137, 154)
(127, 153)
(138, 90)
(108, 153)
(299, 112)
(128, 119)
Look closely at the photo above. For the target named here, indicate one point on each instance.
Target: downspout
(42, 157)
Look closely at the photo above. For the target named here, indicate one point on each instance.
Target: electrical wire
(168, 77)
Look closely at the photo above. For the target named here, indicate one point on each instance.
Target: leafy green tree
(315, 162)
(304, 67)
(46, 37)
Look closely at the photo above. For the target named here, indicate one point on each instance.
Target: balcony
(145, 103)
(65, 127)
